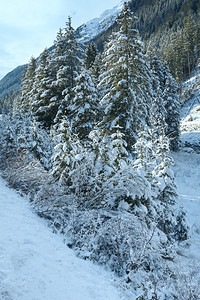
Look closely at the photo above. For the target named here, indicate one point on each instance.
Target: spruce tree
(167, 195)
(172, 108)
(27, 86)
(66, 147)
(124, 102)
(90, 55)
(44, 105)
(84, 106)
(118, 183)
(68, 56)
(166, 97)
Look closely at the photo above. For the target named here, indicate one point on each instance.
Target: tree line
(101, 126)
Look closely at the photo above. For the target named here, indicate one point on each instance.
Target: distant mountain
(93, 28)
(156, 21)
(12, 81)
(86, 32)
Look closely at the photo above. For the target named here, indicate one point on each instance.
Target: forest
(89, 138)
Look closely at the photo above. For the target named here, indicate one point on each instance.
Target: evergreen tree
(95, 71)
(64, 154)
(167, 194)
(123, 102)
(45, 103)
(84, 107)
(166, 99)
(118, 183)
(68, 55)
(28, 86)
(189, 43)
(40, 144)
(172, 108)
(90, 55)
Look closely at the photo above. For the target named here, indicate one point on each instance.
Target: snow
(190, 112)
(187, 174)
(187, 166)
(35, 264)
(91, 29)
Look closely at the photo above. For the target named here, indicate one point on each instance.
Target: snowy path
(187, 176)
(36, 265)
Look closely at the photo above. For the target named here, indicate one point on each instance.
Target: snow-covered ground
(187, 164)
(36, 265)
(187, 175)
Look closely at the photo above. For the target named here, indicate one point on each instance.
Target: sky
(27, 27)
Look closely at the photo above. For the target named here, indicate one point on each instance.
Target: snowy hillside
(187, 172)
(190, 124)
(96, 26)
(35, 264)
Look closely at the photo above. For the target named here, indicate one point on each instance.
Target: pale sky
(29, 26)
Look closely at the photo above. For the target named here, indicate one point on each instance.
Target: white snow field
(36, 265)
(187, 165)
(187, 175)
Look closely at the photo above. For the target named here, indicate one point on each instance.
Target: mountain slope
(93, 28)
(35, 263)
(157, 21)
(187, 177)
(190, 124)
(12, 81)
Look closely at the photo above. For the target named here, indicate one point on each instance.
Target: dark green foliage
(44, 101)
(167, 99)
(126, 82)
(27, 88)
(6, 102)
(90, 54)
(11, 82)
(84, 106)
(68, 63)
(115, 205)
(168, 26)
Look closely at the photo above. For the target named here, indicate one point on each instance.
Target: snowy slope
(190, 124)
(187, 175)
(94, 27)
(36, 265)
(187, 163)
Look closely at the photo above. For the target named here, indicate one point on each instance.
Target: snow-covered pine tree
(66, 147)
(118, 183)
(166, 183)
(84, 106)
(141, 73)
(8, 141)
(68, 56)
(102, 72)
(27, 86)
(172, 107)
(90, 55)
(40, 144)
(44, 105)
(166, 87)
(124, 102)
(145, 159)
(157, 70)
